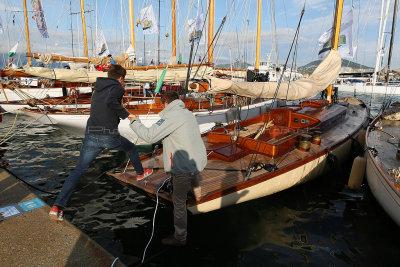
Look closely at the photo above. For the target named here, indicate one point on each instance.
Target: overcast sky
(237, 39)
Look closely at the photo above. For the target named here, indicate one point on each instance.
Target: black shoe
(172, 241)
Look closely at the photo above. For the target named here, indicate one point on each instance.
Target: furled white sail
(324, 75)
(145, 75)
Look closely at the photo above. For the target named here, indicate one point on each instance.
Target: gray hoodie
(183, 148)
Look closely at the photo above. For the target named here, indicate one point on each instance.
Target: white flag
(131, 52)
(101, 45)
(194, 28)
(148, 20)
(1, 26)
(345, 46)
(13, 50)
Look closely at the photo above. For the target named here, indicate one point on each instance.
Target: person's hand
(131, 117)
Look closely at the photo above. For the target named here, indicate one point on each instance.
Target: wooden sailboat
(383, 155)
(279, 149)
(383, 161)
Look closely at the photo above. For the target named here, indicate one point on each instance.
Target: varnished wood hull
(383, 185)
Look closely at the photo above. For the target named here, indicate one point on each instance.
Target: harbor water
(320, 223)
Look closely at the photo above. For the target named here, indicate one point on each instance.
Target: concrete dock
(31, 238)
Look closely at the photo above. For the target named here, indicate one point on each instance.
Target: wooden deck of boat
(385, 141)
(220, 177)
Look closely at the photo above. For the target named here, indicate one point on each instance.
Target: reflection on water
(317, 223)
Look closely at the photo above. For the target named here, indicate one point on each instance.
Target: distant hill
(347, 66)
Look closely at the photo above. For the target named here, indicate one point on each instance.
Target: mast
(122, 27)
(258, 35)
(159, 32)
(391, 40)
(28, 44)
(211, 31)
(84, 28)
(335, 37)
(379, 48)
(72, 32)
(132, 26)
(274, 33)
(173, 29)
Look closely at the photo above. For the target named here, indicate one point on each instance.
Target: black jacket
(106, 110)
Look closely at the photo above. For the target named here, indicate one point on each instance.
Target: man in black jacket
(101, 133)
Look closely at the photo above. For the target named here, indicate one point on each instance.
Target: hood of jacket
(176, 104)
(105, 82)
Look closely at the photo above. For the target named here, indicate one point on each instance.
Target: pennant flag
(345, 46)
(13, 50)
(194, 29)
(101, 45)
(160, 81)
(148, 20)
(39, 17)
(1, 26)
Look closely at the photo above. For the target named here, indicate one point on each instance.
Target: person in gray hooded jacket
(184, 155)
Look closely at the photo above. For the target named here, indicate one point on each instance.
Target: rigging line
(229, 13)
(29, 184)
(212, 42)
(267, 118)
(12, 127)
(154, 217)
(20, 130)
(191, 4)
(291, 68)
(202, 30)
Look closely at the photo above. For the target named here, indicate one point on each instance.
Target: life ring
(73, 94)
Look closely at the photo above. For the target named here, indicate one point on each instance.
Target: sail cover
(324, 75)
(83, 75)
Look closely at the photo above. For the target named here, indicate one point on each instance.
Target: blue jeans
(92, 146)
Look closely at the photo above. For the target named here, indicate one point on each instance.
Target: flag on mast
(101, 45)
(38, 16)
(131, 52)
(13, 50)
(148, 20)
(345, 46)
(194, 28)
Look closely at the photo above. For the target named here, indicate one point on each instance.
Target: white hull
(76, 124)
(14, 108)
(282, 182)
(363, 88)
(38, 93)
(382, 190)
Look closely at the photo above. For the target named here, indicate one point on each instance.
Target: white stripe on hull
(362, 88)
(39, 93)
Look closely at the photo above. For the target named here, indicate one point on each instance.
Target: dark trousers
(92, 146)
(182, 185)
